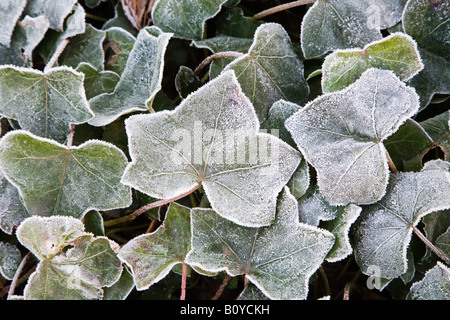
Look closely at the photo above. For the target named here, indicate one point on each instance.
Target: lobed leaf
(383, 232)
(211, 139)
(397, 52)
(9, 260)
(151, 256)
(10, 11)
(434, 286)
(54, 10)
(185, 19)
(278, 259)
(139, 82)
(351, 125)
(271, 70)
(73, 264)
(55, 180)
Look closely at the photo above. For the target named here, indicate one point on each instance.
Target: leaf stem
(147, 207)
(325, 280)
(222, 287)
(210, 58)
(183, 281)
(281, 7)
(56, 54)
(433, 248)
(13, 284)
(391, 163)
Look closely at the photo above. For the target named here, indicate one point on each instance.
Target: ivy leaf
(383, 232)
(336, 24)
(428, 23)
(97, 82)
(351, 125)
(271, 70)
(185, 19)
(10, 11)
(55, 11)
(117, 46)
(278, 259)
(434, 286)
(86, 47)
(241, 170)
(12, 209)
(397, 52)
(9, 260)
(55, 180)
(438, 128)
(45, 103)
(152, 256)
(73, 264)
(139, 82)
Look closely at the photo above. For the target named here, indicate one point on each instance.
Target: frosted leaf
(278, 259)
(234, 23)
(73, 264)
(337, 24)
(397, 52)
(434, 286)
(313, 208)
(121, 289)
(340, 228)
(383, 232)
(10, 11)
(438, 128)
(56, 180)
(271, 70)
(54, 10)
(45, 103)
(427, 22)
(118, 45)
(35, 29)
(120, 20)
(74, 24)
(434, 225)
(184, 18)
(351, 125)
(12, 209)
(251, 292)
(86, 47)
(186, 81)
(211, 139)
(300, 180)
(97, 82)
(9, 260)
(151, 256)
(437, 165)
(277, 116)
(139, 82)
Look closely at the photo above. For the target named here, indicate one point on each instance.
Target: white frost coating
(65, 181)
(383, 233)
(55, 10)
(435, 285)
(35, 29)
(139, 82)
(185, 18)
(278, 259)
(45, 103)
(351, 125)
(402, 57)
(10, 11)
(211, 139)
(10, 258)
(271, 70)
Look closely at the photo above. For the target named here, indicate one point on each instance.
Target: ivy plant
(225, 149)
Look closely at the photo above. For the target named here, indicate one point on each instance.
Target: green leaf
(434, 286)
(139, 82)
(211, 139)
(383, 232)
(438, 128)
(435, 225)
(233, 23)
(271, 70)
(351, 125)
(185, 19)
(86, 47)
(152, 256)
(9, 260)
(337, 24)
(428, 23)
(313, 208)
(397, 52)
(12, 209)
(73, 264)
(118, 45)
(186, 82)
(45, 103)
(300, 180)
(56, 180)
(97, 82)
(54, 10)
(278, 259)
(10, 11)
